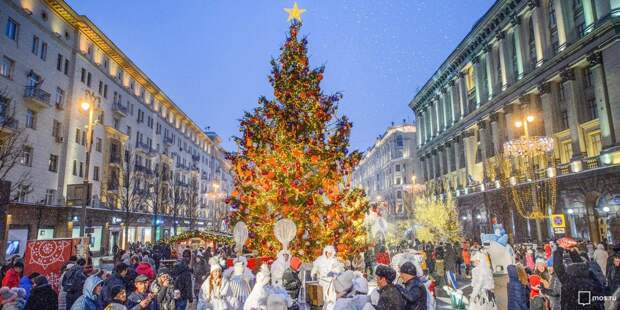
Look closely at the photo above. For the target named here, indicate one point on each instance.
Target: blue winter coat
(88, 300)
(26, 284)
(517, 292)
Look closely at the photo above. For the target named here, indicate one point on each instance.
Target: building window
(116, 123)
(56, 130)
(8, 65)
(553, 27)
(49, 196)
(399, 195)
(53, 163)
(105, 91)
(43, 51)
(95, 173)
(31, 119)
(592, 109)
(74, 170)
(66, 66)
(98, 145)
(59, 99)
(84, 137)
(27, 156)
(59, 63)
(397, 168)
(81, 174)
(78, 135)
(564, 118)
(88, 79)
(399, 140)
(562, 92)
(100, 88)
(566, 151)
(83, 75)
(532, 43)
(595, 143)
(35, 45)
(22, 195)
(12, 29)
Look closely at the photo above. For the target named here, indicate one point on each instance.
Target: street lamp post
(88, 105)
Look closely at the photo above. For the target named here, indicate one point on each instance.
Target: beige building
(556, 62)
(387, 172)
(147, 156)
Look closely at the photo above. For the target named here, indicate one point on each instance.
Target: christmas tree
(293, 162)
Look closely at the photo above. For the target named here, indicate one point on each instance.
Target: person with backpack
(412, 290)
(73, 282)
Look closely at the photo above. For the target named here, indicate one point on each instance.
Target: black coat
(183, 281)
(390, 298)
(291, 282)
(414, 293)
(42, 297)
(576, 277)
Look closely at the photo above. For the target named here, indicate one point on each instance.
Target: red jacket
(11, 279)
(145, 269)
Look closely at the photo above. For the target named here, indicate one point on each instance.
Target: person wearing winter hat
(163, 288)
(212, 294)
(343, 284)
(140, 298)
(359, 291)
(42, 295)
(413, 290)
(276, 302)
(9, 299)
(91, 292)
(388, 296)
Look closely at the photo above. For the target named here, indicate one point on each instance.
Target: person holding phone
(140, 298)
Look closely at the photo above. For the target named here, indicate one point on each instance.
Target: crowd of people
(543, 276)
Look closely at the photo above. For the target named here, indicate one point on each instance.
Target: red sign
(47, 257)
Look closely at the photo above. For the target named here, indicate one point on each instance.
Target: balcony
(119, 109)
(36, 98)
(147, 149)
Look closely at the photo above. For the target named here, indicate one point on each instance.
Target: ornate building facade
(151, 167)
(387, 172)
(547, 68)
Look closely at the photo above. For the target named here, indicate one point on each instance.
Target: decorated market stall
(195, 239)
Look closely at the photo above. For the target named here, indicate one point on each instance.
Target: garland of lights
(536, 194)
(204, 235)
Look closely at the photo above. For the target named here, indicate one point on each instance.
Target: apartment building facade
(553, 64)
(151, 167)
(387, 172)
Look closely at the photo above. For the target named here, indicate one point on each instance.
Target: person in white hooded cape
(322, 270)
(212, 292)
(279, 266)
(482, 296)
(258, 298)
(237, 287)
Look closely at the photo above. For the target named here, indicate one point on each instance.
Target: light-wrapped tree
(293, 162)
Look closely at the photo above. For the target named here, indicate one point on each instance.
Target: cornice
(97, 37)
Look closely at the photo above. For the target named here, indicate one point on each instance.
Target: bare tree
(13, 153)
(130, 187)
(179, 198)
(193, 200)
(160, 199)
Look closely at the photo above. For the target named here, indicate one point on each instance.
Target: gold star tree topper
(294, 13)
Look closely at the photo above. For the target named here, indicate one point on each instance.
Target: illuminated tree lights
(293, 162)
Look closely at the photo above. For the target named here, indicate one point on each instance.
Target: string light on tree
(293, 162)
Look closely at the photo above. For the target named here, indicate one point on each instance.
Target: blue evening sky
(212, 56)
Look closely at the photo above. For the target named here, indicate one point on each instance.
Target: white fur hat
(344, 282)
